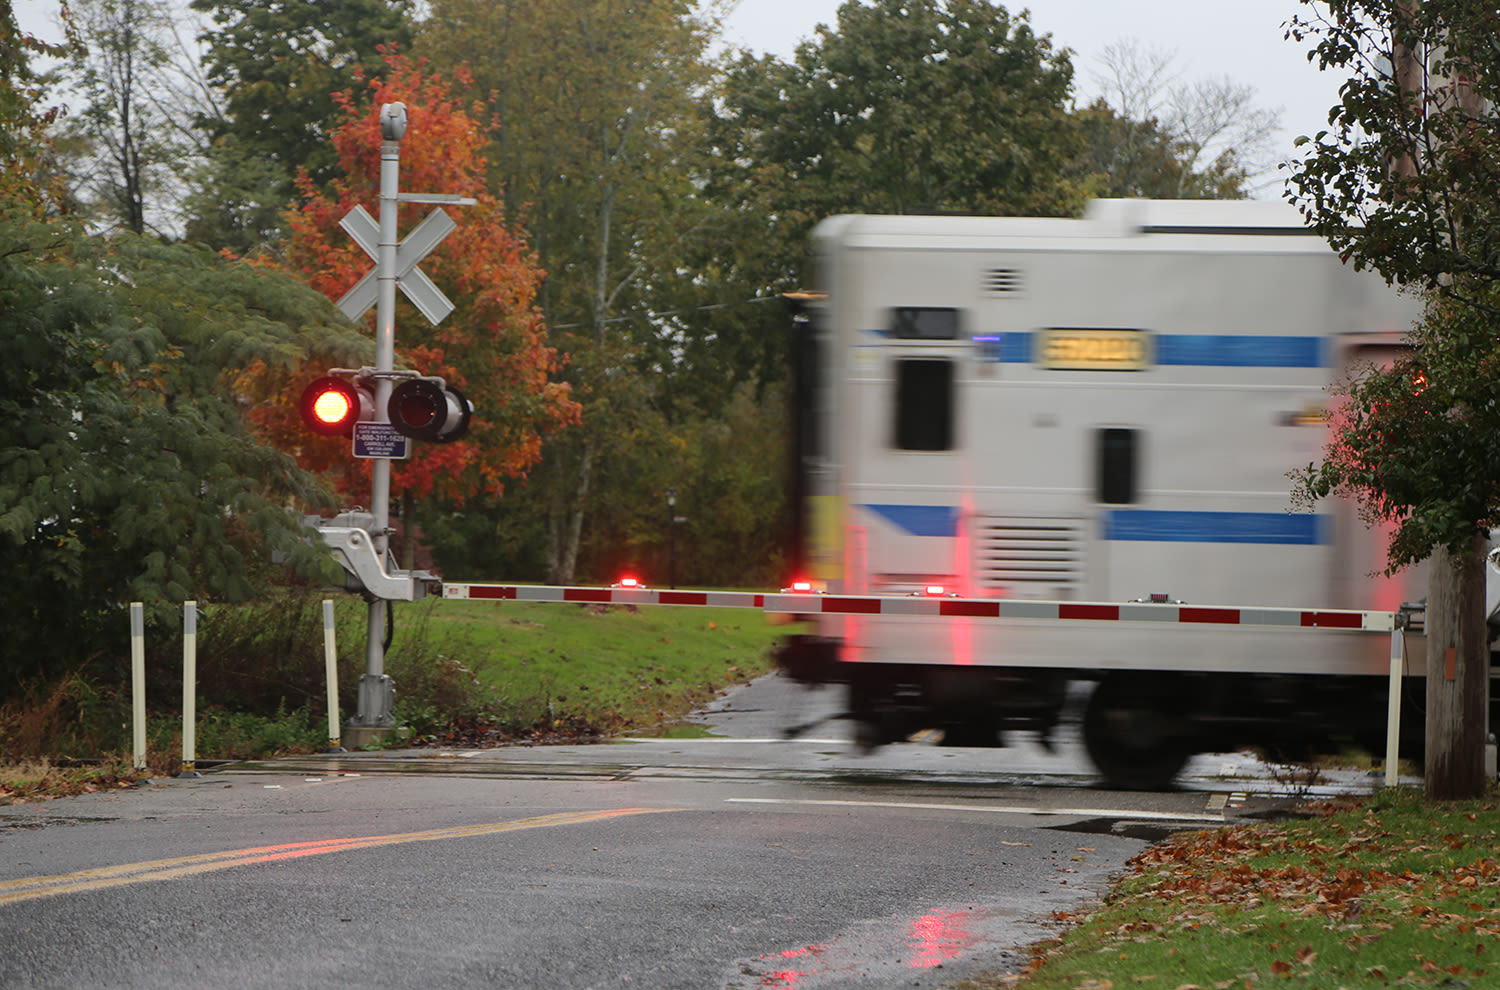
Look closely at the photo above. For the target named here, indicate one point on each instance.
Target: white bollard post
(331, 657)
(189, 690)
(137, 686)
(1393, 706)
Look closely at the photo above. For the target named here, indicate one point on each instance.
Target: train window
(924, 323)
(807, 387)
(924, 404)
(1117, 456)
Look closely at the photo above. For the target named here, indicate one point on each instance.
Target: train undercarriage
(1139, 727)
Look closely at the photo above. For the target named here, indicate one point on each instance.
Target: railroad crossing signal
(444, 418)
(419, 409)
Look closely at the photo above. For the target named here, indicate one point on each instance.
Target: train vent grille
(1030, 555)
(1002, 282)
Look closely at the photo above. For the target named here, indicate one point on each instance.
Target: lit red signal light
(331, 406)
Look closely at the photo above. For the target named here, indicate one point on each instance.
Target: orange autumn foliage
(492, 346)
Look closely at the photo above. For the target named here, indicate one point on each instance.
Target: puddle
(895, 952)
(1131, 828)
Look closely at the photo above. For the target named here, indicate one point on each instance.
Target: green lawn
(476, 673)
(617, 668)
(1389, 892)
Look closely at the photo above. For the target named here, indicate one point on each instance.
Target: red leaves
(493, 346)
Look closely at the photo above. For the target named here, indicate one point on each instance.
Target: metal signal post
(395, 267)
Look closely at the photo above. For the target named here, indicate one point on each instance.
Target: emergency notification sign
(380, 440)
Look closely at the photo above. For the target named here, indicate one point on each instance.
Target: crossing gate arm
(801, 603)
(603, 596)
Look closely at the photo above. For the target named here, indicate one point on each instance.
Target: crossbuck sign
(420, 289)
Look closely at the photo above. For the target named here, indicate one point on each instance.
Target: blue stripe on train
(1148, 525)
(1217, 527)
(920, 520)
(1190, 349)
(1235, 351)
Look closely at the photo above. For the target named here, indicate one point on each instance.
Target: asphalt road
(744, 861)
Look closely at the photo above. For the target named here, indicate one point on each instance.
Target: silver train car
(1102, 409)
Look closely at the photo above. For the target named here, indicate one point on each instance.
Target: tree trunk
(565, 524)
(1458, 660)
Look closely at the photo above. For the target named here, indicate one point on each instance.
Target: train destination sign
(1068, 349)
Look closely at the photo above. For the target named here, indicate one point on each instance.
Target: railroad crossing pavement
(775, 730)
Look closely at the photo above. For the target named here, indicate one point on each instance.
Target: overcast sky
(1241, 39)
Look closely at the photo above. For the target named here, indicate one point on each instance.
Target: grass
(222, 735)
(29, 780)
(475, 673)
(616, 668)
(1385, 892)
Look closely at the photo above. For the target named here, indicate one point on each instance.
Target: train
(1102, 409)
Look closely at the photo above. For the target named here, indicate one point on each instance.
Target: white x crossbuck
(420, 289)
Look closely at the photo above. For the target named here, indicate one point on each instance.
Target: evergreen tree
(128, 474)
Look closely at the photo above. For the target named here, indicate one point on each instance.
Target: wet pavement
(771, 853)
(776, 731)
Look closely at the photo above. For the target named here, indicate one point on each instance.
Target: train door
(905, 496)
(809, 436)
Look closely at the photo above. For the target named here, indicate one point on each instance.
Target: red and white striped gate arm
(800, 603)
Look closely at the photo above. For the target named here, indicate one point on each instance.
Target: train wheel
(867, 737)
(1132, 729)
(873, 709)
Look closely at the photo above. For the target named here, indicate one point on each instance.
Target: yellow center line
(32, 888)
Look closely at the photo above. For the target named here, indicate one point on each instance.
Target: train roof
(1110, 218)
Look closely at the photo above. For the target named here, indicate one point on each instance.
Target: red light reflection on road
(781, 979)
(938, 937)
